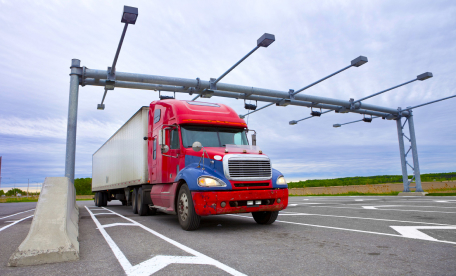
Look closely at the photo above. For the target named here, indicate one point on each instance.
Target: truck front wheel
(265, 217)
(188, 219)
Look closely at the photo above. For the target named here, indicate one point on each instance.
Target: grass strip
(355, 194)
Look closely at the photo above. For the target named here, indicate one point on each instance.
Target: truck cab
(200, 163)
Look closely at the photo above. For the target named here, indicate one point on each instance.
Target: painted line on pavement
(17, 214)
(156, 263)
(17, 221)
(417, 237)
(284, 213)
(419, 211)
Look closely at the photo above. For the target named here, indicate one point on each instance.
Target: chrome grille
(249, 169)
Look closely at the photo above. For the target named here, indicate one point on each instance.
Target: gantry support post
(416, 165)
(72, 119)
(400, 136)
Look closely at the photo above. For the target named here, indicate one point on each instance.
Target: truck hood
(213, 152)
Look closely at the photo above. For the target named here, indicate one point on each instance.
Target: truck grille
(254, 169)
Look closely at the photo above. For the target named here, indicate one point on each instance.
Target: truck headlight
(281, 181)
(206, 181)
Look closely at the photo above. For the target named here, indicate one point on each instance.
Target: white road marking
(412, 231)
(17, 221)
(17, 213)
(418, 211)
(375, 207)
(355, 230)
(292, 205)
(283, 213)
(156, 263)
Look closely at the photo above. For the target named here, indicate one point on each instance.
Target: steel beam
(70, 156)
(247, 90)
(416, 165)
(400, 136)
(226, 94)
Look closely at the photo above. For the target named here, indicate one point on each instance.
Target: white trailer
(121, 162)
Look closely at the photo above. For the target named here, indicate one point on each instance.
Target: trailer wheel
(143, 209)
(188, 219)
(97, 199)
(134, 201)
(265, 217)
(104, 199)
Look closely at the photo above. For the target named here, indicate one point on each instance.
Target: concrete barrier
(53, 235)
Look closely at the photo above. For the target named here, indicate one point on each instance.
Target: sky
(190, 39)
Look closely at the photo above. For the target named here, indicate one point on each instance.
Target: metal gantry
(111, 78)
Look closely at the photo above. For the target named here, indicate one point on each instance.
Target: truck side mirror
(197, 146)
(164, 148)
(254, 139)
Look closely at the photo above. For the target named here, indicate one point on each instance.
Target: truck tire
(265, 217)
(134, 201)
(188, 219)
(98, 199)
(143, 209)
(104, 199)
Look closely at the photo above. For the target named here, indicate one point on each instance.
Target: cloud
(194, 39)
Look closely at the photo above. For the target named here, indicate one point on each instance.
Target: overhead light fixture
(337, 125)
(265, 40)
(293, 122)
(129, 15)
(357, 62)
(424, 76)
(315, 113)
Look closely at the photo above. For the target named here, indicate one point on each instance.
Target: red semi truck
(188, 158)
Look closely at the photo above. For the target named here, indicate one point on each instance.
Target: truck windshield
(213, 136)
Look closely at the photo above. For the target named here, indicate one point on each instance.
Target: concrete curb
(53, 235)
(412, 194)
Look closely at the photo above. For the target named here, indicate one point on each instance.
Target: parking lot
(313, 236)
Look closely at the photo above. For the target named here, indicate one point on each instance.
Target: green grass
(379, 179)
(19, 199)
(441, 194)
(355, 194)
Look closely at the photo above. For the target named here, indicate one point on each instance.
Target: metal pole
(72, 121)
(113, 68)
(237, 63)
(386, 90)
(400, 136)
(28, 184)
(416, 165)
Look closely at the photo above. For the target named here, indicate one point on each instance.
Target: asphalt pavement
(314, 236)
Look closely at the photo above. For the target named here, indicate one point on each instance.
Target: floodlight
(265, 40)
(424, 76)
(293, 122)
(315, 113)
(129, 15)
(250, 106)
(162, 97)
(357, 62)
(367, 120)
(337, 125)
(100, 106)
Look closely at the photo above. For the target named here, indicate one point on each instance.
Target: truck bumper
(210, 203)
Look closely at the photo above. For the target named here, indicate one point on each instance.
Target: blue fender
(190, 175)
(275, 175)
